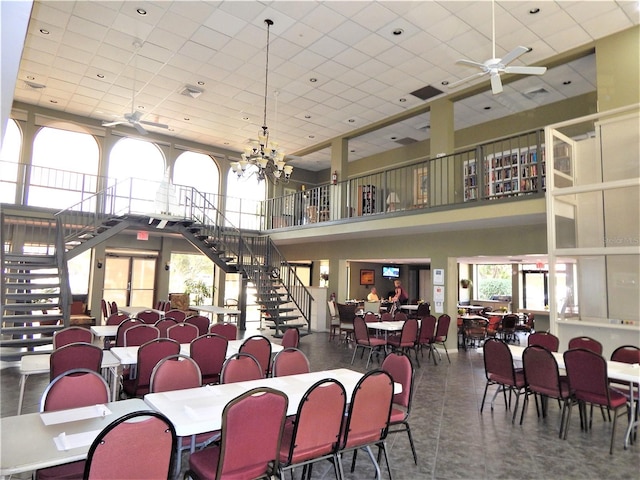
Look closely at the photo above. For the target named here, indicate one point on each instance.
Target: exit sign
(143, 235)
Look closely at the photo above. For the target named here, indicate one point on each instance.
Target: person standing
(401, 295)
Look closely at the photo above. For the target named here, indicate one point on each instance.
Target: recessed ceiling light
(99, 75)
(352, 120)
(394, 138)
(567, 82)
(186, 119)
(30, 77)
(44, 31)
(53, 101)
(398, 31)
(171, 129)
(352, 151)
(444, 82)
(313, 80)
(312, 136)
(226, 143)
(307, 117)
(534, 10)
(487, 108)
(402, 100)
(141, 11)
(246, 119)
(200, 82)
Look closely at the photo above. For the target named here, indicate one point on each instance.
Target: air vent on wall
(535, 93)
(191, 91)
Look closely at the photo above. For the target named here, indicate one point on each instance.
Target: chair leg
(484, 396)
(413, 448)
(354, 354)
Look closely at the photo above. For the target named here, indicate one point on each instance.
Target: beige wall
(618, 69)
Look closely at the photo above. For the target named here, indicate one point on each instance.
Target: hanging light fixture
(264, 158)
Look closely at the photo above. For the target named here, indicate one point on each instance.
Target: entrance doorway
(130, 280)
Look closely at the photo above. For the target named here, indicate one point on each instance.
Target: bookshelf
(366, 199)
(470, 180)
(514, 172)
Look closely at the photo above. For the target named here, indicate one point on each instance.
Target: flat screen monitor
(389, 271)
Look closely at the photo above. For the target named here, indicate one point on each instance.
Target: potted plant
(199, 290)
(465, 283)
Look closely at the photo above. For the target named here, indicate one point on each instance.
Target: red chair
(290, 361)
(291, 338)
(400, 317)
(209, 352)
(543, 378)
(148, 316)
(250, 438)
(386, 317)
(149, 355)
(587, 343)
(163, 325)
(318, 423)
(588, 379)
(149, 434)
(105, 310)
(508, 328)
(71, 335)
(123, 327)
(199, 321)
(364, 342)
(113, 308)
(406, 341)
(401, 371)
(426, 335)
(260, 348)
(367, 419)
(544, 339)
(499, 370)
(227, 330)
(626, 354)
(442, 332)
(116, 318)
(75, 355)
(72, 389)
(183, 332)
(177, 315)
(371, 317)
(139, 334)
(241, 367)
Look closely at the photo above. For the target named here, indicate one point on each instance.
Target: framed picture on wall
(420, 186)
(367, 277)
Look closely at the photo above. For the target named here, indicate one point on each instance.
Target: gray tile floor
(453, 440)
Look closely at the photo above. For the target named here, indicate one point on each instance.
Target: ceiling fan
(133, 118)
(495, 66)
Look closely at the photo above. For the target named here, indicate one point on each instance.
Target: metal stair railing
(257, 257)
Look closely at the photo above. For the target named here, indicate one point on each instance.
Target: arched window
(197, 170)
(64, 168)
(244, 200)
(139, 168)
(9, 162)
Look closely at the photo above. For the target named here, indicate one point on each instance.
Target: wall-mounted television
(390, 271)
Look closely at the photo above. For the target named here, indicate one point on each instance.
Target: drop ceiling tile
(49, 13)
(568, 38)
(323, 18)
(349, 32)
(131, 26)
(327, 47)
(225, 23)
(601, 26)
(86, 28)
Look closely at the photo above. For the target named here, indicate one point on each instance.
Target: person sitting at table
(400, 294)
(373, 295)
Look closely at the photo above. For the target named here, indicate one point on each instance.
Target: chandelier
(264, 157)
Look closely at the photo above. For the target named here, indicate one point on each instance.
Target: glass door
(130, 280)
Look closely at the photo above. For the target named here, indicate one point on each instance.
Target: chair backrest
(399, 316)
(386, 317)
(71, 335)
(209, 352)
(587, 373)
(150, 436)
(626, 354)
(139, 334)
(260, 348)
(369, 410)
(200, 321)
(177, 315)
(183, 332)
(401, 370)
(79, 387)
(347, 312)
(442, 329)
(230, 303)
(75, 355)
(175, 372)
(123, 326)
(372, 306)
(241, 367)
(509, 323)
(116, 319)
(332, 308)
(113, 308)
(149, 355)
(370, 317)
(409, 333)
(587, 343)
(498, 362)
(545, 339)
(427, 329)
(290, 361)
(316, 431)
(251, 432)
(291, 338)
(227, 330)
(163, 324)
(105, 309)
(148, 316)
(360, 330)
(423, 310)
(541, 371)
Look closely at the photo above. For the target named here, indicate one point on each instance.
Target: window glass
(196, 170)
(192, 274)
(244, 197)
(64, 168)
(9, 159)
(493, 281)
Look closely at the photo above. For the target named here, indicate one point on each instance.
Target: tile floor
(453, 440)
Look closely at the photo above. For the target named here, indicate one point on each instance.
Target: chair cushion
(205, 462)
(397, 415)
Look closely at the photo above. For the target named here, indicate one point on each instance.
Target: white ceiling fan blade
(139, 128)
(496, 83)
(513, 54)
(471, 63)
(154, 124)
(526, 70)
(467, 79)
(112, 124)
